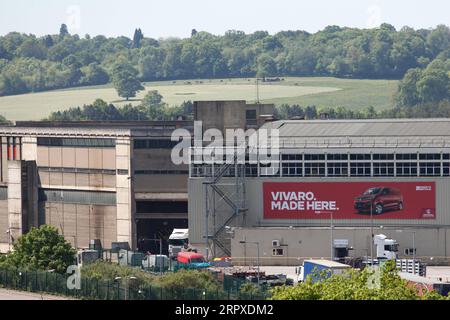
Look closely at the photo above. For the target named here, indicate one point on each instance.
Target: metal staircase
(226, 187)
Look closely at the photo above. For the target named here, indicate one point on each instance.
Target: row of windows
(161, 172)
(111, 172)
(77, 170)
(76, 142)
(336, 169)
(333, 170)
(77, 197)
(375, 156)
(155, 144)
(365, 169)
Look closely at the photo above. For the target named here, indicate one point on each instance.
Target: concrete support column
(29, 154)
(15, 199)
(124, 193)
(4, 159)
(29, 148)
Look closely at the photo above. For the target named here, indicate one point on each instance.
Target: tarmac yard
(19, 295)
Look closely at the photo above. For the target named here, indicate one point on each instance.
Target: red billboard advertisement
(349, 200)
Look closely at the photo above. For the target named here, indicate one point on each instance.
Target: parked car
(379, 200)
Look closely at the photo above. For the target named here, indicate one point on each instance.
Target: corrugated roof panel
(362, 128)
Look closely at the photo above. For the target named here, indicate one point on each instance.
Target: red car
(379, 200)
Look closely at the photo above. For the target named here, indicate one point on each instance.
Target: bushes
(109, 271)
(251, 291)
(355, 285)
(184, 284)
(193, 279)
(41, 249)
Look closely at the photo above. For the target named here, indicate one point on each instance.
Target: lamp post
(371, 233)
(257, 261)
(8, 232)
(332, 236)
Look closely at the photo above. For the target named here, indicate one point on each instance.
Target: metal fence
(94, 289)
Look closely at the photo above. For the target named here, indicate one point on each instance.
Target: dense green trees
(422, 87)
(125, 80)
(41, 249)
(63, 31)
(29, 63)
(152, 108)
(137, 38)
(427, 110)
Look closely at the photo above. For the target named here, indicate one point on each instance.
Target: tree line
(29, 63)
(151, 108)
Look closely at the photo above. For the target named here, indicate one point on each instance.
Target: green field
(332, 92)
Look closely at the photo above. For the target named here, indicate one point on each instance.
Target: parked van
(155, 262)
(379, 200)
(191, 260)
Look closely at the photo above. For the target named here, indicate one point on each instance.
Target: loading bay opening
(156, 220)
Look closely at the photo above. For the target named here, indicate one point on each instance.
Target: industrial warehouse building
(115, 181)
(331, 175)
(112, 181)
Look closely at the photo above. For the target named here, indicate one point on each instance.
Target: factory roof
(362, 128)
(96, 128)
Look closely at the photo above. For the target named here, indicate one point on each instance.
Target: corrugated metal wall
(196, 210)
(254, 198)
(80, 223)
(4, 224)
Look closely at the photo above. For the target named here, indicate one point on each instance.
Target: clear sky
(165, 18)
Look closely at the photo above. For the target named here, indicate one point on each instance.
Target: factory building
(332, 181)
(112, 181)
(94, 180)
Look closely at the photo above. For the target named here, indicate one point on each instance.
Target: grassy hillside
(353, 94)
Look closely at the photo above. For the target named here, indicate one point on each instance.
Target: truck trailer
(314, 267)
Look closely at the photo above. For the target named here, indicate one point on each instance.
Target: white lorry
(178, 240)
(386, 248)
